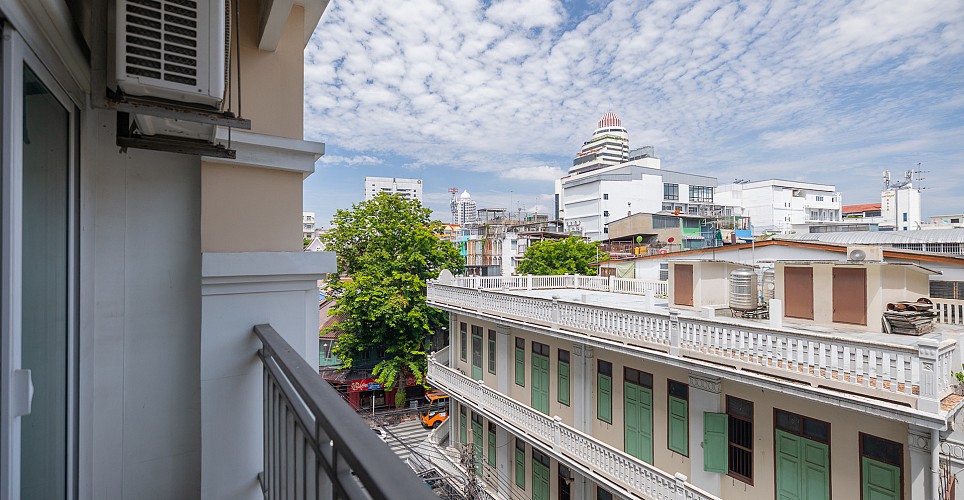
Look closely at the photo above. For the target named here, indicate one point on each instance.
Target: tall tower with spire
(609, 145)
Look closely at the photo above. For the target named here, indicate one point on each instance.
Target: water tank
(743, 290)
(769, 284)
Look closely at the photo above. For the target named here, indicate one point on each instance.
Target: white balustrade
(949, 311)
(593, 455)
(921, 371)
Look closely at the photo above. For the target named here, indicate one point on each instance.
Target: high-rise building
(467, 211)
(609, 145)
(900, 204)
(407, 188)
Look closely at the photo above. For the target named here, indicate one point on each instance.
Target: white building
(608, 146)
(900, 206)
(407, 188)
(782, 207)
(589, 387)
(308, 224)
(466, 210)
(608, 181)
(588, 201)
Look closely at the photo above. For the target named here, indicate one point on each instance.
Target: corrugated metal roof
(885, 237)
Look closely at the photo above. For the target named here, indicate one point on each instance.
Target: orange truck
(436, 411)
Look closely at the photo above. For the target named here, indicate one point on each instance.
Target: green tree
(569, 256)
(388, 248)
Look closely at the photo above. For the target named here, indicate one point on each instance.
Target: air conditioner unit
(171, 49)
(865, 253)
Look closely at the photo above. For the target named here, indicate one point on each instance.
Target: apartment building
(782, 207)
(410, 189)
(158, 313)
(594, 387)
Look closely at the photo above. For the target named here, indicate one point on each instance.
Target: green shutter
(714, 442)
(788, 465)
(491, 353)
(520, 366)
(562, 383)
(540, 481)
(604, 398)
(678, 425)
(520, 468)
(463, 345)
(463, 433)
(477, 447)
(540, 383)
(492, 448)
(638, 421)
(802, 468)
(879, 481)
(476, 357)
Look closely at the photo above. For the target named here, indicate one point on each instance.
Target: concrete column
(503, 339)
(504, 448)
(919, 445)
(704, 398)
(582, 387)
(238, 291)
(581, 487)
(453, 339)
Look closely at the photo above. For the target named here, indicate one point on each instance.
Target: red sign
(370, 383)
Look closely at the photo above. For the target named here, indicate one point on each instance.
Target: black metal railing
(315, 446)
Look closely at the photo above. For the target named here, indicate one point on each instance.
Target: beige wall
(711, 285)
(613, 434)
(844, 446)
(245, 209)
(845, 425)
(885, 284)
(272, 83)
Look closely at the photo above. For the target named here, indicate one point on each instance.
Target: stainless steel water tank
(743, 290)
(769, 284)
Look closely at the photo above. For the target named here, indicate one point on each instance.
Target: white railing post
(927, 367)
(674, 333)
(528, 279)
(575, 281)
(557, 433)
(554, 313)
(650, 300)
(612, 284)
(478, 300)
(680, 479)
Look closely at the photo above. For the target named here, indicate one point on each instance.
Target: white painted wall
(140, 336)
(772, 206)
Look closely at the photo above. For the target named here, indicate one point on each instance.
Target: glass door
(39, 302)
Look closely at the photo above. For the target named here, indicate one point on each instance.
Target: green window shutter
(540, 383)
(520, 468)
(879, 480)
(476, 357)
(477, 447)
(463, 345)
(520, 366)
(491, 448)
(463, 433)
(491, 353)
(715, 442)
(562, 383)
(604, 398)
(678, 425)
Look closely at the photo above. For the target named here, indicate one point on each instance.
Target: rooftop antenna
(886, 180)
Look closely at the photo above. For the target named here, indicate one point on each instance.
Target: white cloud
(542, 173)
(452, 86)
(350, 160)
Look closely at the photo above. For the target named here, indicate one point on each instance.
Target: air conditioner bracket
(164, 108)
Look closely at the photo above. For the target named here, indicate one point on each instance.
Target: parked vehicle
(436, 411)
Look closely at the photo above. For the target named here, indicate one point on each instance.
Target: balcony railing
(949, 311)
(314, 444)
(598, 283)
(592, 457)
(920, 373)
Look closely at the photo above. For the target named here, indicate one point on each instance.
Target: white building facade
(466, 210)
(781, 207)
(407, 188)
(308, 224)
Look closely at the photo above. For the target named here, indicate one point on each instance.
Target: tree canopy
(569, 256)
(388, 248)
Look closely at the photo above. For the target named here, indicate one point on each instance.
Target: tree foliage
(569, 256)
(388, 248)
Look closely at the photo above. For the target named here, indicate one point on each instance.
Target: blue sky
(497, 97)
